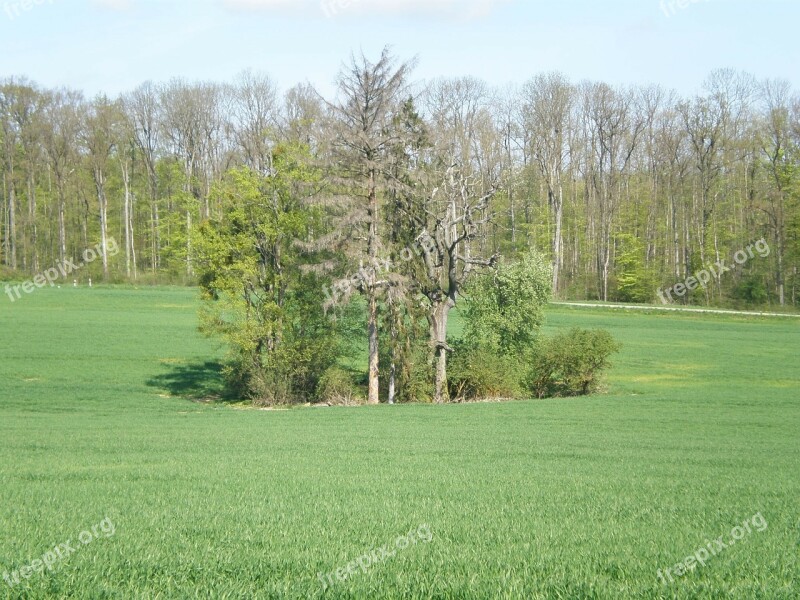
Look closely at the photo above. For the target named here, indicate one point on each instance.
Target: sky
(112, 46)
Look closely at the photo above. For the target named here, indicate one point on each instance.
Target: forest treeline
(625, 190)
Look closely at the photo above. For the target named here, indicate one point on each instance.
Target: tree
(261, 296)
(254, 119)
(364, 135)
(62, 114)
(144, 113)
(546, 113)
(776, 145)
(101, 132)
(506, 306)
(502, 318)
(454, 215)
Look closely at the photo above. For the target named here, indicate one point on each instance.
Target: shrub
(7, 274)
(750, 292)
(336, 386)
(571, 363)
(480, 373)
(506, 305)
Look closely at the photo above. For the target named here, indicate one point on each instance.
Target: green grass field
(583, 498)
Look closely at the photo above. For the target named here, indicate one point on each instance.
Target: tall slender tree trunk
(62, 227)
(372, 292)
(12, 226)
(374, 368)
(130, 251)
(32, 220)
(189, 242)
(156, 234)
(127, 217)
(558, 241)
(103, 200)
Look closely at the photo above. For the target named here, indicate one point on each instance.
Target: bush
(336, 386)
(506, 305)
(750, 292)
(7, 274)
(571, 363)
(479, 374)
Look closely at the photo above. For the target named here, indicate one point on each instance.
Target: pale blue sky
(113, 45)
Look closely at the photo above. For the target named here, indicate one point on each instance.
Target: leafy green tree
(503, 316)
(506, 305)
(635, 283)
(261, 295)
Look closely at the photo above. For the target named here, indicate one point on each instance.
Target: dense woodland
(626, 189)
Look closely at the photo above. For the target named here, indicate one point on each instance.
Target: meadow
(104, 415)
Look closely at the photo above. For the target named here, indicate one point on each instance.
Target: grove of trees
(298, 214)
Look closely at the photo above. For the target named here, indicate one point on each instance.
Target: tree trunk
(101, 198)
(62, 229)
(440, 312)
(372, 250)
(189, 243)
(374, 382)
(392, 382)
(32, 219)
(558, 237)
(12, 227)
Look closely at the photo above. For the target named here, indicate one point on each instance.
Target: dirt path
(679, 309)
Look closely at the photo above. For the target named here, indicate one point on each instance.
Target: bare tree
(303, 116)
(101, 132)
(454, 215)
(62, 114)
(613, 131)
(192, 124)
(144, 112)
(9, 130)
(546, 106)
(365, 135)
(253, 119)
(776, 145)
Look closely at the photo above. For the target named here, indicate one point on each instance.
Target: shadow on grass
(201, 382)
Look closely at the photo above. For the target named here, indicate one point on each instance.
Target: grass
(584, 498)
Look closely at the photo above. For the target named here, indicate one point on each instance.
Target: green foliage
(751, 291)
(506, 305)
(480, 373)
(259, 297)
(571, 363)
(501, 326)
(635, 283)
(336, 387)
